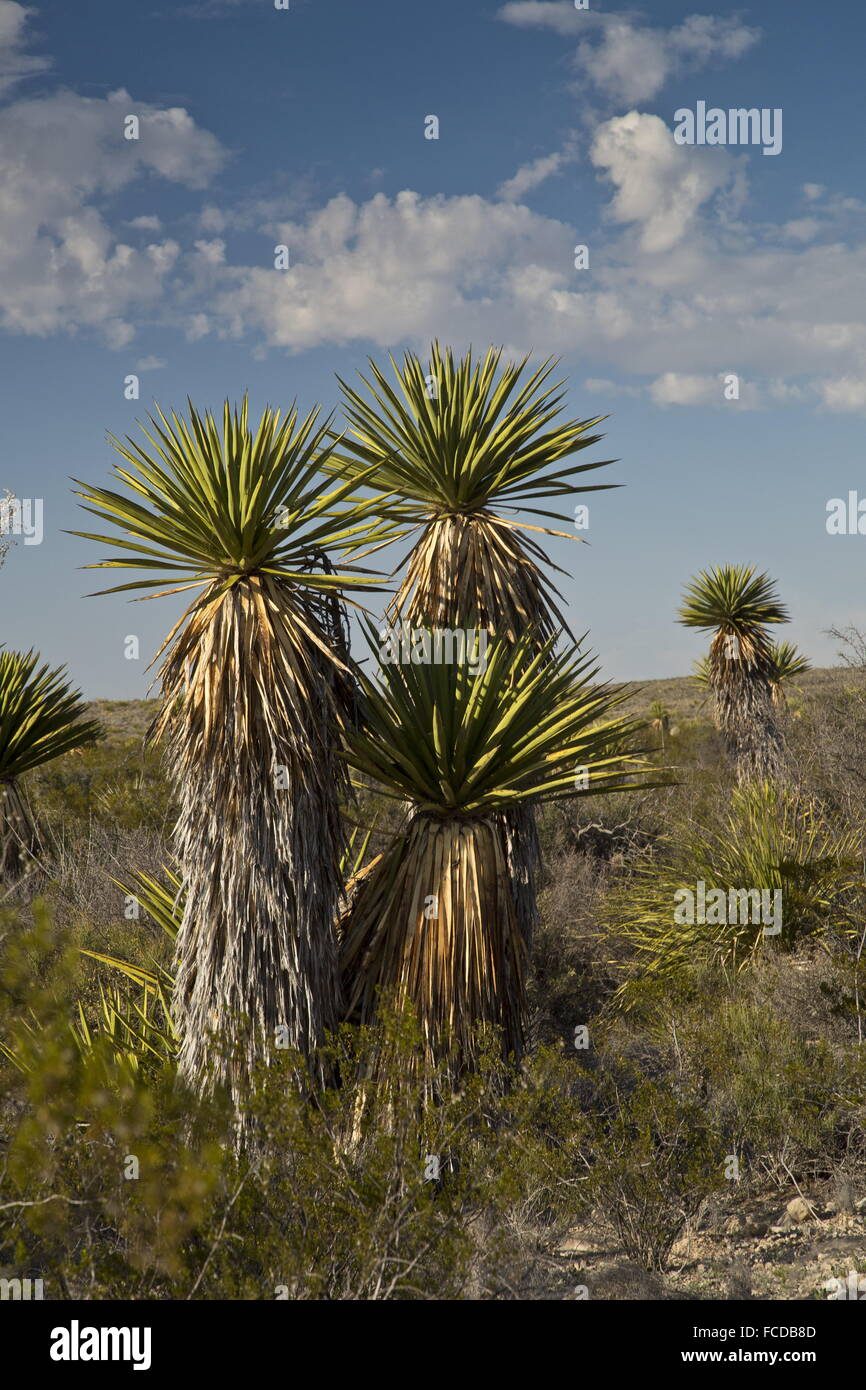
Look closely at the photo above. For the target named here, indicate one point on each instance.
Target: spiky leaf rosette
(41, 717)
(255, 696)
(461, 444)
(786, 663)
(737, 605)
(434, 923)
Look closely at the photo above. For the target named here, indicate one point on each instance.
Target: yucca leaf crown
(454, 740)
(737, 605)
(786, 661)
(461, 437)
(40, 715)
(213, 504)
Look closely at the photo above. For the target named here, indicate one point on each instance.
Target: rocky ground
(765, 1247)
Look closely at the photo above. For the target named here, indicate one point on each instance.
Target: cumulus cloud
(844, 393)
(628, 60)
(561, 17)
(660, 186)
(681, 288)
(788, 319)
(61, 264)
(145, 224)
(692, 388)
(391, 269)
(15, 62)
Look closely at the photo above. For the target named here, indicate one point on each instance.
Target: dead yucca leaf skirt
(252, 706)
(435, 926)
(477, 569)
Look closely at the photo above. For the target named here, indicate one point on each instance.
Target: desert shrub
(771, 838)
(778, 1071)
(122, 785)
(118, 1184)
(654, 1157)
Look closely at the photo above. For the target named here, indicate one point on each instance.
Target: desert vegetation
(330, 976)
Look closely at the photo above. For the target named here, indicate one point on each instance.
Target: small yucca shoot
(786, 663)
(41, 717)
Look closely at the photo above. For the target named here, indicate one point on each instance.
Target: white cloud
(661, 186)
(15, 62)
(802, 229)
(631, 63)
(678, 297)
(61, 265)
(601, 386)
(628, 60)
(212, 219)
(212, 252)
(387, 270)
(681, 287)
(529, 176)
(813, 191)
(845, 393)
(531, 14)
(691, 388)
(145, 224)
(150, 364)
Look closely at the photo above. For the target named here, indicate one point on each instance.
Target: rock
(798, 1211)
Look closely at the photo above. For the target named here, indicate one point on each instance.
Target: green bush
(771, 838)
(117, 1184)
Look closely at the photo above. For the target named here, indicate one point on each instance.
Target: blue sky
(306, 127)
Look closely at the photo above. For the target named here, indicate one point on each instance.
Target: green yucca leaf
(211, 504)
(733, 598)
(454, 742)
(786, 662)
(482, 439)
(40, 715)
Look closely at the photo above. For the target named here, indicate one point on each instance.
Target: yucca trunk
(747, 717)
(251, 714)
(435, 926)
(19, 838)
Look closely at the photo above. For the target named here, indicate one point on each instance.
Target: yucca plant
(786, 663)
(465, 445)
(434, 923)
(660, 720)
(770, 839)
(737, 606)
(256, 690)
(41, 717)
